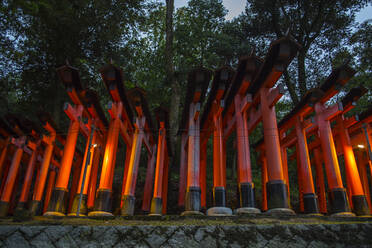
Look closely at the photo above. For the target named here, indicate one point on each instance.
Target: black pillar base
(128, 205)
(4, 208)
(102, 204)
(338, 201)
(193, 201)
(34, 208)
(277, 196)
(310, 203)
(21, 213)
(75, 205)
(57, 203)
(219, 197)
(360, 205)
(246, 195)
(156, 206)
(21, 206)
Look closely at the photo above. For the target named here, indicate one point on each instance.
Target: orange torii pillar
(321, 192)
(44, 168)
(203, 174)
(60, 193)
(183, 170)
(83, 207)
(337, 194)
(11, 177)
(277, 196)
(193, 191)
(142, 134)
(359, 200)
(212, 124)
(158, 202)
(102, 204)
(309, 198)
(285, 168)
(300, 181)
(29, 175)
(264, 180)
(93, 179)
(198, 81)
(246, 187)
(3, 156)
(49, 187)
(362, 168)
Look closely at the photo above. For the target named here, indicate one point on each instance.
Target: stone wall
(271, 235)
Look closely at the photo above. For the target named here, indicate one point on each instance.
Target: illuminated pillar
(60, 193)
(277, 197)
(337, 194)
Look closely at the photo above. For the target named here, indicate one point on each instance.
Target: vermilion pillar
(203, 174)
(310, 201)
(3, 155)
(157, 199)
(146, 202)
(83, 207)
(193, 191)
(320, 181)
(277, 196)
(43, 173)
(264, 180)
(245, 184)
(362, 168)
(337, 195)
(28, 179)
(285, 168)
(102, 204)
(300, 181)
(10, 179)
(93, 179)
(49, 188)
(165, 184)
(359, 200)
(130, 184)
(77, 170)
(183, 171)
(219, 165)
(125, 176)
(60, 193)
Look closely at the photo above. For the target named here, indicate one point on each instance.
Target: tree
(196, 32)
(321, 27)
(170, 76)
(46, 33)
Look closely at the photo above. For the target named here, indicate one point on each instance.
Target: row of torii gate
(45, 173)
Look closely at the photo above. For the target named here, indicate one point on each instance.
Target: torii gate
(211, 123)
(235, 117)
(98, 127)
(190, 179)
(121, 122)
(142, 134)
(71, 79)
(159, 199)
(260, 105)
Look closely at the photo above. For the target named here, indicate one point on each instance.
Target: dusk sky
(235, 7)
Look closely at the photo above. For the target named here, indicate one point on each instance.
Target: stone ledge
(238, 235)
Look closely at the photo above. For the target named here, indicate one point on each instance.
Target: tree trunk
(170, 77)
(291, 87)
(301, 72)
